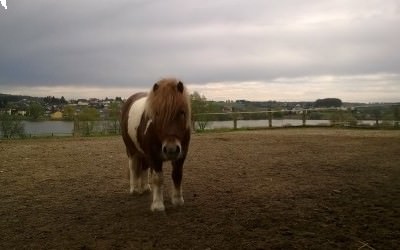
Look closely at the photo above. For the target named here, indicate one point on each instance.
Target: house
(298, 109)
(106, 103)
(56, 115)
(83, 102)
(227, 109)
(22, 112)
(5, 111)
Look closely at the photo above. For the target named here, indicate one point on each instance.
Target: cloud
(131, 44)
(352, 88)
(4, 3)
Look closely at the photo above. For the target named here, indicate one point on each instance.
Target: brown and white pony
(156, 128)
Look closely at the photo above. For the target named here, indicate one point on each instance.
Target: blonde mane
(166, 100)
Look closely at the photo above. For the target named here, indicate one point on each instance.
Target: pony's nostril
(178, 149)
(164, 149)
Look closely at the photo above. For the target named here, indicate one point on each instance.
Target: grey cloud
(132, 43)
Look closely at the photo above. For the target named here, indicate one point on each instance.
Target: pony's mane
(165, 101)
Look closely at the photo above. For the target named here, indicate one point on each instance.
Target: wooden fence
(299, 117)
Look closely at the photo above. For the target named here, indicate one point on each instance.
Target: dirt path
(271, 189)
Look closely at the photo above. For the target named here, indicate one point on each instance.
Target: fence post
(234, 117)
(269, 118)
(304, 117)
(76, 130)
(396, 116)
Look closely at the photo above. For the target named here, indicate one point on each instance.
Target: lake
(65, 128)
(49, 127)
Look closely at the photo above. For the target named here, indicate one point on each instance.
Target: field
(267, 189)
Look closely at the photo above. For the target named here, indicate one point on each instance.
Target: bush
(111, 127)
(343, 119)
(86, 127)
(11, 127)
(316, 116)
(202, 121)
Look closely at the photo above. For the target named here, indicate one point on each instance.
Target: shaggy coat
(156, 128)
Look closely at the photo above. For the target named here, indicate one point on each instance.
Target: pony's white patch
(158, 199)
(134, 117)
(147, 125)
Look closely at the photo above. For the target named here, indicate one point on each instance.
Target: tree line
(203, 112)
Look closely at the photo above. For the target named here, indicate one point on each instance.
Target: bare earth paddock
(268, 189)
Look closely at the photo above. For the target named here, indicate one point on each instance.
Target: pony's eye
(182, 113)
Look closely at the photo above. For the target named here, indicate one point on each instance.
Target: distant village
(55, 108)
(52, 108)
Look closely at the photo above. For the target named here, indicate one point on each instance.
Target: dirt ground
(268, 189)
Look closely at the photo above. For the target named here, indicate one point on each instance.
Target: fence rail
(388, 118)
(298, 117)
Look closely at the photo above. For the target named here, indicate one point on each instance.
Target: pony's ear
(155, 87)
(180, 86)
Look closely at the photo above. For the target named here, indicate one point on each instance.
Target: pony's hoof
(157, 206)
(146, 188)
(177, 201)
(136, 190)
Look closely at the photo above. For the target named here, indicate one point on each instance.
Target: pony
(156, 128)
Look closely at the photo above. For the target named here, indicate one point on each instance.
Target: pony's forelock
(165, 101)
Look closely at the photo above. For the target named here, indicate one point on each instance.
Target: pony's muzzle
(171, 150)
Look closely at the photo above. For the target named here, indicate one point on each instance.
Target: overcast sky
(287, 50)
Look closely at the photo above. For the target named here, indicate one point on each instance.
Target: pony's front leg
(157, 187)
(145, 180)
(176, 197)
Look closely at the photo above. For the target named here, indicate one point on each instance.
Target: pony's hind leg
(134, 174)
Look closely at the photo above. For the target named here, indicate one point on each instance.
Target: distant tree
(199, 108)
(11, 126)
(89, 114)
(35, 111)
(47, 99)
(3, 103)
(51, 100)
(328, 102)
(277, 115)
(198, 102)
(63, 101)
(69, 112)
(342, 118)
(114, 115)
(87, 118)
